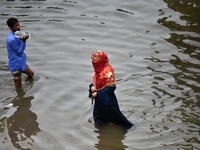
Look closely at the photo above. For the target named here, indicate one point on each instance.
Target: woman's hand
(94, 94)
(93, 89)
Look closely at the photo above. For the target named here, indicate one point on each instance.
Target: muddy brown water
(154, 47)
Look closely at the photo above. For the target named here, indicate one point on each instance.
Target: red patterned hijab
(103, 72)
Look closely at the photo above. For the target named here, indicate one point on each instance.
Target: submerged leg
(29, 73)
(18, 83)
(99, 119)
(17, 79)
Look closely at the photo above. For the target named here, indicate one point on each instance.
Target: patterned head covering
(103, 72)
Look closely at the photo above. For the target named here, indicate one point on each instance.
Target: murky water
(154, 47)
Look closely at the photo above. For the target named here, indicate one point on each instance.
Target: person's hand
(24, 37)
(93, 89)
(94, 94)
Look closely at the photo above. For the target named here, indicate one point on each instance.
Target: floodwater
(154, 47)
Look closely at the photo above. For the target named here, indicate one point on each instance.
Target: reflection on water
(21, 125)
(184, 36)
(154, 47)
(189, 13)
(111, 137)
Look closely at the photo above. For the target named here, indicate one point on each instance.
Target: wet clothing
(16, 56)
(17, 74)
(106, 108)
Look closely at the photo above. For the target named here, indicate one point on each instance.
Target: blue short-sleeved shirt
(16, 55)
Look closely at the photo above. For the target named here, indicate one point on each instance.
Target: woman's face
(96, 57)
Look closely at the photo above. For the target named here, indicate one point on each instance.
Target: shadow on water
(22, 124)
(184, 35)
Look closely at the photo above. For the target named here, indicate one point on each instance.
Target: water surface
(154, 48)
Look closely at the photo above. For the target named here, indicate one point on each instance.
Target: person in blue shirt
(16, 56)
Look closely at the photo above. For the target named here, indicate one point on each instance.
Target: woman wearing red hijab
(106, 108)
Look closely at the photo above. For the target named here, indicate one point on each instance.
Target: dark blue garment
(16, 56)
(106, 108)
